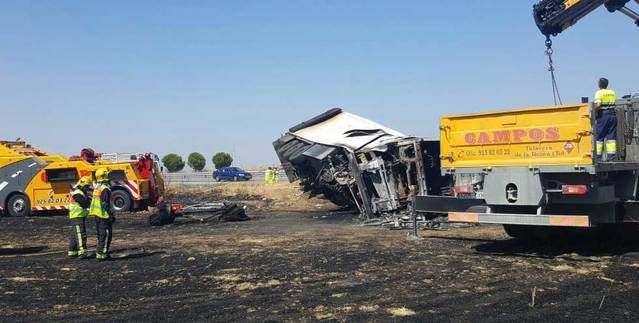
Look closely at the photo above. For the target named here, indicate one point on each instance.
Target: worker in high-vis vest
(268, 176)
(606, 122)
(275, 173)
(103, 212)
(78, 211)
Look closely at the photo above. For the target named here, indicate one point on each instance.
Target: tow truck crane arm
(554, 16)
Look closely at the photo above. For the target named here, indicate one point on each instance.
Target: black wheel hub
(119, 203)
(18, 206)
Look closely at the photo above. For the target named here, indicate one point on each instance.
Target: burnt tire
(162, 217)
(121, 201)
(19, 205)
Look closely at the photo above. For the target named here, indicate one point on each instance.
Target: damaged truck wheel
(163, 216)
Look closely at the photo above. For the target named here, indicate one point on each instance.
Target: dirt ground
(312, 266)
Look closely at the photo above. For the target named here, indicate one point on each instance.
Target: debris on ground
(405, 222)
(203, 212)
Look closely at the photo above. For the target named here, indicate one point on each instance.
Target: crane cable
(551, 68)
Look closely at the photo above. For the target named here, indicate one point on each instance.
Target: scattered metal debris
(203, 212)
(405, 222)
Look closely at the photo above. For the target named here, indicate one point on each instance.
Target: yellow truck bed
(546, 136)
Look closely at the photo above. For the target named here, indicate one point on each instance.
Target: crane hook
(551, 69)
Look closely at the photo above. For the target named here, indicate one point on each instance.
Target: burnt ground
(309, 267)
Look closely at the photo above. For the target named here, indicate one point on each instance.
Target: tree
(222, 159)
(173, 163)
(196, 161)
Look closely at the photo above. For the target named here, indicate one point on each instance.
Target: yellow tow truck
(33, 181)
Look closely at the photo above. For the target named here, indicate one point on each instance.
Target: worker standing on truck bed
(78, 211)
(102, 211)
(606, 121)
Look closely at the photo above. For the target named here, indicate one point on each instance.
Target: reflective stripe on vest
(75, 210)
(605, 96)
(96, 208)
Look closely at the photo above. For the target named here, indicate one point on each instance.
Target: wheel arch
(119, 187)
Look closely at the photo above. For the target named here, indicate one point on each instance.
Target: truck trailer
(535, 170)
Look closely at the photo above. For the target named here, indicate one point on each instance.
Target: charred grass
(312, 266)
(278, 197)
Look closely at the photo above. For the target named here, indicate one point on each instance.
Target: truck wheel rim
(18, 206)
(119, 203)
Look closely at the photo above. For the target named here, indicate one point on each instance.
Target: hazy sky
(182, 76)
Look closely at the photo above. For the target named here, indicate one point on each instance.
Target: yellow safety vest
(605, 97)
(75, 210)
(97, 209)
(268, 177)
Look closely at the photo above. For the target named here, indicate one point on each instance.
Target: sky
(209, 76)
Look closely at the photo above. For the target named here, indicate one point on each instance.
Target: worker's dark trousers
(606, 128)
(78, 237)
(104, 229)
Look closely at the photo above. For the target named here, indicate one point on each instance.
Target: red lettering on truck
(501, 136)
(512, 135)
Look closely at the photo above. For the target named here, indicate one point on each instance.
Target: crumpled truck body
(355, 162)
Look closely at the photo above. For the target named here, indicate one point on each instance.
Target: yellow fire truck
(34, 181)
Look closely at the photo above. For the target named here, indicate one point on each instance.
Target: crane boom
(554, 16)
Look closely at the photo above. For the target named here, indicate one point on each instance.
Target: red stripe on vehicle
(132, 187)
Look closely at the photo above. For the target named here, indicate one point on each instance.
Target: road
(207, 178)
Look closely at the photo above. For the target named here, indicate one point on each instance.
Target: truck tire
(18, 205)
(121, 201)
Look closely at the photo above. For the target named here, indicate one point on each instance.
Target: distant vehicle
(231, 174)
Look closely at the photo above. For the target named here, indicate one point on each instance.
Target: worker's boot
(72, 253)
(82, 254)
(102, 256)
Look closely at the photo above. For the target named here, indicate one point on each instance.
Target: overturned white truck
(355, 162)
